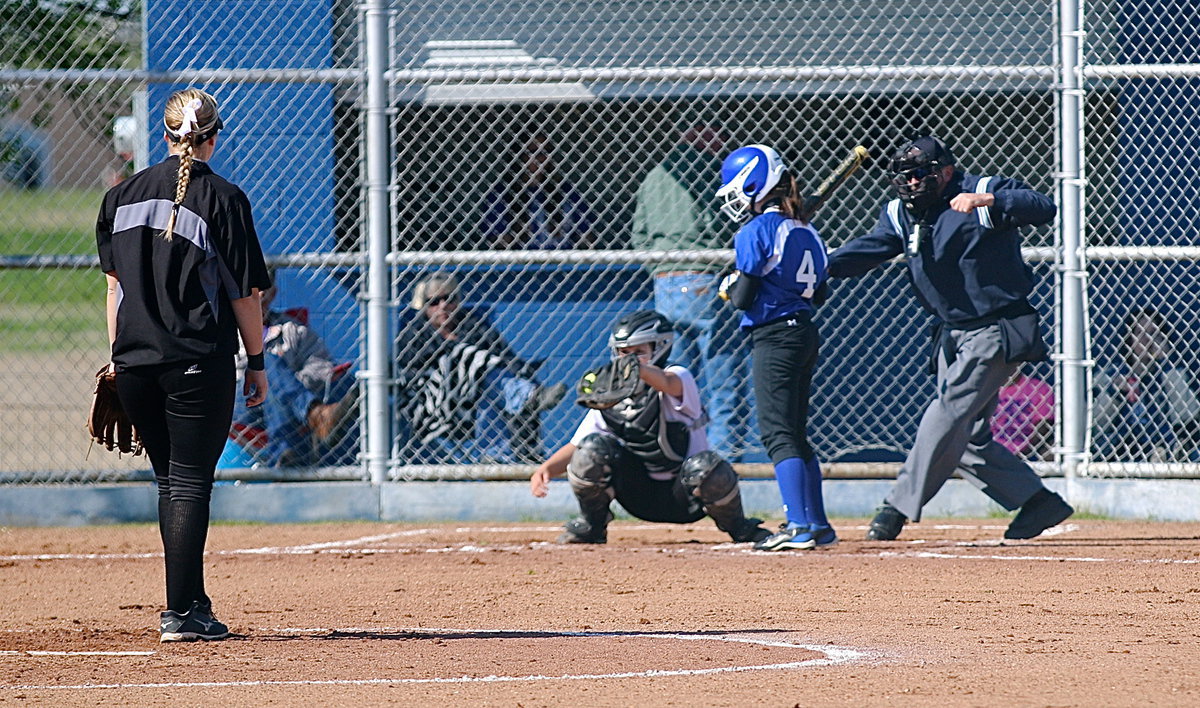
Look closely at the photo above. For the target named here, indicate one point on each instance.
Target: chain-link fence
(462, 197)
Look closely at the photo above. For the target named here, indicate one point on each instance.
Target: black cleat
(190, 626)
(887, 524)
(1043, 510)
(751, 531)
(578, 530)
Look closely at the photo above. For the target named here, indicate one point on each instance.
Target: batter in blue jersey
(790, 261)
(781, 268)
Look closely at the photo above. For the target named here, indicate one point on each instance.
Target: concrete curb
(301, 502)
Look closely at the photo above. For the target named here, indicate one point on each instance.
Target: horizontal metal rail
(604, 74)
(292, 260)
(499, 473)
(1141, 71)
(715, 256)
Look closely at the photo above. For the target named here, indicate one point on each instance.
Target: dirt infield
(1099, 613)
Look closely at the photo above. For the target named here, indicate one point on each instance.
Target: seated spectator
(1145, 408)
(296, 423)
(534, 207)
(466, 394)
(1024, 418)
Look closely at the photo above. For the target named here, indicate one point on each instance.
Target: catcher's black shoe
(751, 531)
(578, 530)
(1043, 510)
(887, 524)
(190, 626)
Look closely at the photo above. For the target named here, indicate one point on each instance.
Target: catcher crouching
(643, 443)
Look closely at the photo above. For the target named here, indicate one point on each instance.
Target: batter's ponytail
(787, 193)
(190, 118)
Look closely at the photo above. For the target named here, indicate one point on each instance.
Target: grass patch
(21, 333)
(44, 309)
(76, 290)
(49, 221)
(52, 311)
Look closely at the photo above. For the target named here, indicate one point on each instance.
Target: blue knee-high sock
(790, 474)
(813, 496)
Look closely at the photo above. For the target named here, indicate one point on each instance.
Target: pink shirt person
(1023, 415)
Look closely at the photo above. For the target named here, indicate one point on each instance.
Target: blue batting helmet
(747, 175)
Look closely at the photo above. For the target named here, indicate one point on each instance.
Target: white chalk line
(831, 656)
(305, 549)
(1063, 559)
(33, 652)
(348, 546)
(1052, 531)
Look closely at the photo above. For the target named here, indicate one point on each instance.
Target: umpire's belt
(1020, 335)
(1008, 312)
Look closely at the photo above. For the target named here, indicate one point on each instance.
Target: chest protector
(640, 422)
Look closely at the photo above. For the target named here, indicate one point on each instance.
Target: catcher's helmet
(641, 327)
(748, 174)
(922, 159)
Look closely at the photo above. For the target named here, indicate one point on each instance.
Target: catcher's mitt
(609, 384)
(107, 421)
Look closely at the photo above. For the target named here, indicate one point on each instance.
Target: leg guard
(712, 480)
(590, 476)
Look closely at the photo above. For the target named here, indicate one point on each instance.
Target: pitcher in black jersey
(649, 452)
(184, 269)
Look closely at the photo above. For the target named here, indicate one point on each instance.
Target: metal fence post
(1072, 406)
(378, 242)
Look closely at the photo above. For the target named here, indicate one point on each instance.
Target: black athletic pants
(785, 356)
(182, 412)
(658, 500)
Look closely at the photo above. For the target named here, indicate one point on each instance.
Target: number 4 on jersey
(807, 274)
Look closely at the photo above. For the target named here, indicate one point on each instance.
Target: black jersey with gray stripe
(174, 296)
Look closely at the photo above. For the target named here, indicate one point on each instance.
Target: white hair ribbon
(190, 121)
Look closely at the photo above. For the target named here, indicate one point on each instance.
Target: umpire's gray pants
(955, 432)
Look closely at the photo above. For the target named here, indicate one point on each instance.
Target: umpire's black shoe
(1043, 510)
(887, 524)
(578, 530)
(190, 626)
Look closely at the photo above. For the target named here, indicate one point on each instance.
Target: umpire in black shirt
(959, 234)
(184, 270)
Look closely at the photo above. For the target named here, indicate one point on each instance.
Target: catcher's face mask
(644, 352)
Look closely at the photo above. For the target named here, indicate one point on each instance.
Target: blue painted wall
(278, 141)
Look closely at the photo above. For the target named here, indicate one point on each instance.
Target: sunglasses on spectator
(437, 300)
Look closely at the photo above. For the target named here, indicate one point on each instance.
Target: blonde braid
(203, 121)
(181, 184)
